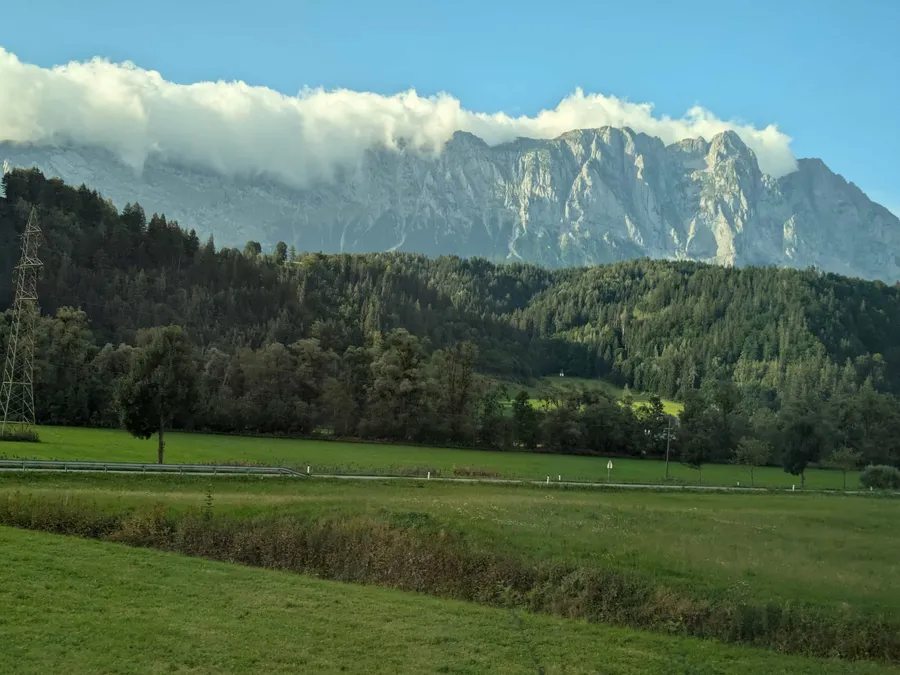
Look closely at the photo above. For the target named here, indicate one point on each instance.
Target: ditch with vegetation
(804, 574)
(249, 615)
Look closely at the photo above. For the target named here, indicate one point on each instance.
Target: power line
(17, 389)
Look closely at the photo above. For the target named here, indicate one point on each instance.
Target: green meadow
(836, 551)
(326, 457)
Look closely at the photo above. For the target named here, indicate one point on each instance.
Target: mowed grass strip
(112, 445)
(831, 550)
(88, 607)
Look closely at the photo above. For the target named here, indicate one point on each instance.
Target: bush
(880, 477)
(20, 436)
(474, 472)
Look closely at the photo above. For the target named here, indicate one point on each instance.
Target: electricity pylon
(17, 390)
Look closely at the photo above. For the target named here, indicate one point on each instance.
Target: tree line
(397, 389)
(770, 363)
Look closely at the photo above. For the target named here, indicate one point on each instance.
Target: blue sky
(827, 71)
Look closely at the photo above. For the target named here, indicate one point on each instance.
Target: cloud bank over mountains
(238, 130)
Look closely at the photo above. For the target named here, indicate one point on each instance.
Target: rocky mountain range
(589, 196)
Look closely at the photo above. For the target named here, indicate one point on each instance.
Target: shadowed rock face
(589, 196)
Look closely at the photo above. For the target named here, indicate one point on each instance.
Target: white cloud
(234, 128)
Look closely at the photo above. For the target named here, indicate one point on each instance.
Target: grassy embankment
(832, 550)
(88, 607)
(807, 574)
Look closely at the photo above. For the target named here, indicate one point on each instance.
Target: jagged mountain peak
(587, 196)
(466, 138)
(728, 146)
(729, 139)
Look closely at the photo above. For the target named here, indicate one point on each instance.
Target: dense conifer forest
(785, 366)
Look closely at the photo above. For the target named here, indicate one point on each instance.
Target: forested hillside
(287, 341)
(657, 326)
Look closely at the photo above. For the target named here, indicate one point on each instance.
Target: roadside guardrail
(130, 467)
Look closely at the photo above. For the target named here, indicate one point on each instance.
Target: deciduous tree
(846, 459)
(752, 452)
(160, 384)
(804, 438)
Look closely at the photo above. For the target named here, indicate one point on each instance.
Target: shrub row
(411, 553)
(20, 436)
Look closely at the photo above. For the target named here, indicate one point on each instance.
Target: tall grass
(413, 553)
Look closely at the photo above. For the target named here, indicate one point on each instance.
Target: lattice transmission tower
(17, 390)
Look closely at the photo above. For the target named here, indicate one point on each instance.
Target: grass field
(836, 551)
(88, 607)
(369, 458)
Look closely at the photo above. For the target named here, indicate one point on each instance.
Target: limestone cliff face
(589, 196)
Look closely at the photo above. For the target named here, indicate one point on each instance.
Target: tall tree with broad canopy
(805, 438)
(160, 383)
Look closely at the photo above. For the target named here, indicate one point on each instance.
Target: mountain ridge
(588, 196)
